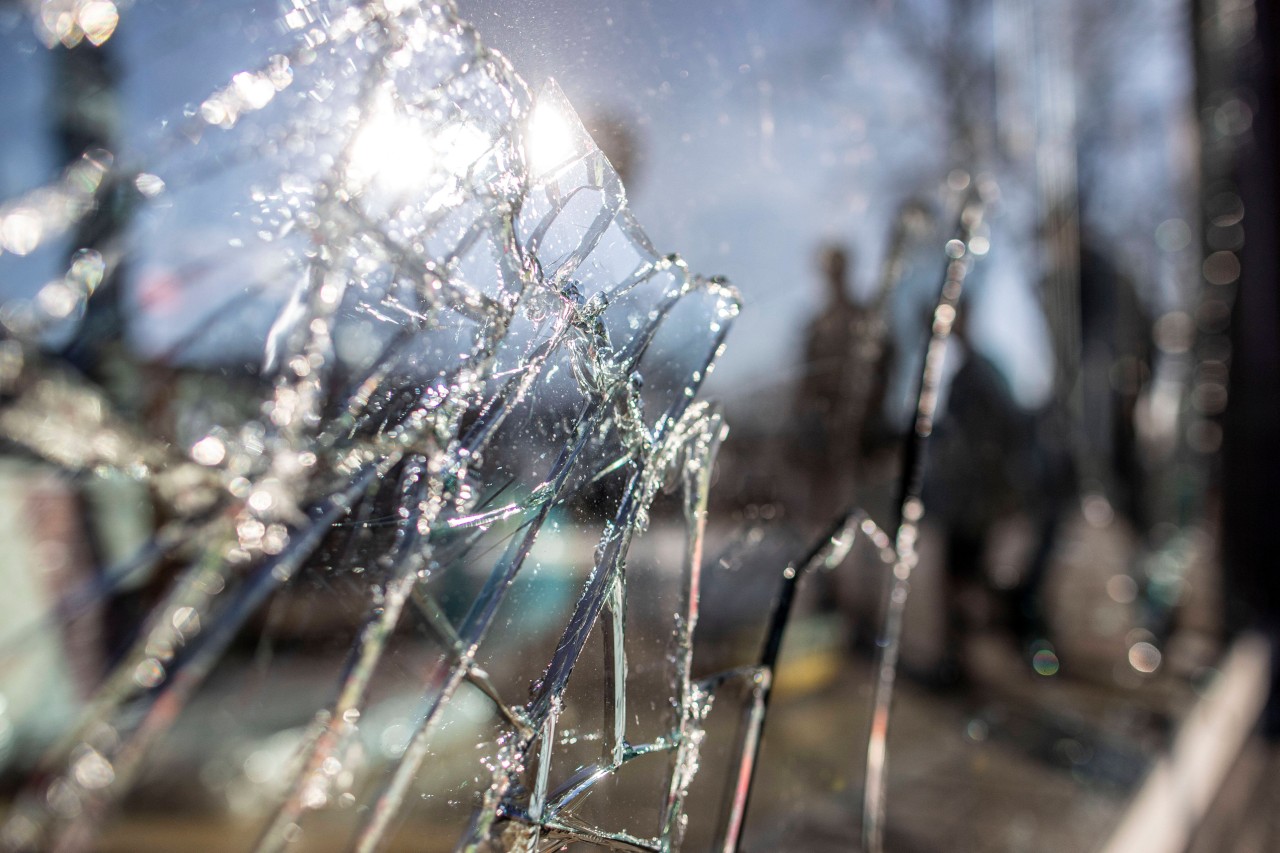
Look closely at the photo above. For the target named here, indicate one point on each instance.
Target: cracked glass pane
(478, 378)
(366, 473)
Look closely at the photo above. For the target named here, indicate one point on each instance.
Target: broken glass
(444, 441)
(470, 334)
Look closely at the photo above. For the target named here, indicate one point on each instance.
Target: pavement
(1107, 750)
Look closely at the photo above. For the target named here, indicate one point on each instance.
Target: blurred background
(1093, 617)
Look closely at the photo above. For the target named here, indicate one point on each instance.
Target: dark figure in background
(1116, 349)
(88, 117)
(1115, 360)
(989, 459)
(843, 387)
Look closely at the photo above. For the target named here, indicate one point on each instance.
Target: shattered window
(374, 475)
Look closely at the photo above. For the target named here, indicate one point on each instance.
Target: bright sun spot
(550, 139)
(398, 151)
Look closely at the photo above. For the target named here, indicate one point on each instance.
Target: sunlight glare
(550, 140)
(396, 150)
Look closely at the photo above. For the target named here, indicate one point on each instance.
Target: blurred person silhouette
(1116, 352)
(1107, 506)
(842, 390)
(117, 509)
(990, 460)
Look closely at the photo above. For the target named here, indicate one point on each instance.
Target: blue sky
(765, 130)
